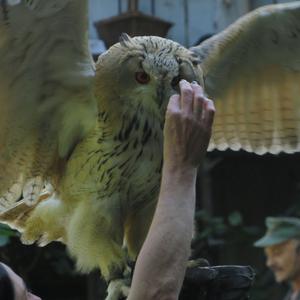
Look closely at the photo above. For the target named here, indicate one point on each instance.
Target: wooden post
(119, 7)
(133, 5)
(153, 7)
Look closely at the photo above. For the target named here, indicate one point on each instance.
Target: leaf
(7, 231)
(4, 240)
(235, 218)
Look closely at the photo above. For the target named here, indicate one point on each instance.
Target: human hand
(188, 127)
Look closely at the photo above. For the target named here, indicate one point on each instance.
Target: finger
(187, 95)
(208, 112)
(174, 104)
(199, 99)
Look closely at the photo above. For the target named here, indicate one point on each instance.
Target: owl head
(144, 72)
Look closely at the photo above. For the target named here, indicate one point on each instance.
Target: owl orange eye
(142, 77)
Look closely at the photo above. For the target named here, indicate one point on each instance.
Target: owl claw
(117, 289)
(27, 241)
(3, 204)
(32, 190)
(43, 240)
(12, 195)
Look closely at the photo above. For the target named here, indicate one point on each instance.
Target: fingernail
(183, 80)
(194, 82)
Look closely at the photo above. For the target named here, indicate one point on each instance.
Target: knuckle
(187, 91)
(199, 91)
(174, 97)
(173, 102)
(199, 97)
(172, 112)
(210, 105)
(188, 118)
(209, 102)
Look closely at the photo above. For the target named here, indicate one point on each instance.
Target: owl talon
(32, 190)
(32, 234)
(118, 289)
(26, 240)
(12, 195)
(43, 240)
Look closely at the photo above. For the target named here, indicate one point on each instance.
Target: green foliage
(220, 230)
(5, 234)
(235, 219)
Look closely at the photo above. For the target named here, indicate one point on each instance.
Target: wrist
(179, 169)
(179, 174)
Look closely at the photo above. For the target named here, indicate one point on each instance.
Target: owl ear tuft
(125, 39)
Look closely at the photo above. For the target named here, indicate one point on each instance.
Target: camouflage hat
(279, 230)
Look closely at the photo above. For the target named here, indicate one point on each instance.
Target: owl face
(145, 71)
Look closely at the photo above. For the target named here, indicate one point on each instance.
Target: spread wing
(252, 71)
(46, 103)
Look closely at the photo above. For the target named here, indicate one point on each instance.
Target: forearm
(161, 265)
(168, 239)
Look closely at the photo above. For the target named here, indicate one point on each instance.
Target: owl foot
(200, 262)
(118, 289)
(39, 234)
(12, 195)
(45, 224)
(32, 190)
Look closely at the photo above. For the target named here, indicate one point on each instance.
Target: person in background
(281, 244)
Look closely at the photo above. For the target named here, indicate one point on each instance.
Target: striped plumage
(115, 171)
(81, 144)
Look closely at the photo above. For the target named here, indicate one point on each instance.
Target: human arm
(161, 264)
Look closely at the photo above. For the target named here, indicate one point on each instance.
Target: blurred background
(235, 190)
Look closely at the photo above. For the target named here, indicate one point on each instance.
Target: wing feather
(252, 71)
(46, 101)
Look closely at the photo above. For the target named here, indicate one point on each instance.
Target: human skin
(284, 260)
(161, 265)
(20, 289)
